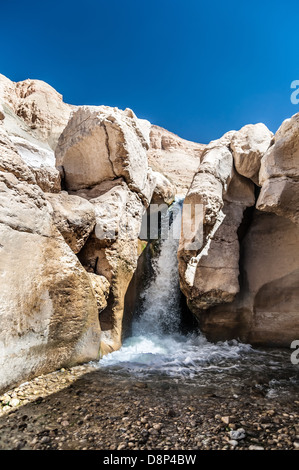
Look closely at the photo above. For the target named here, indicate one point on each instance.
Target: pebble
(233, 443)
(94, 411)
(225, 419)
(14, 402)
(238, 434)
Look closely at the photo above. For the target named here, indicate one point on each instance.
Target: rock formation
(59, 309)
(240, 283)
(76, 184)
(175, 158)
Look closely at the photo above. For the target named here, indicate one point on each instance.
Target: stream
(157, 350)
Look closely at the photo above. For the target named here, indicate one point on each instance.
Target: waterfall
(160, 312)
(156, 344)
(157, 350)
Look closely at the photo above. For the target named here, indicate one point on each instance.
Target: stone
(14, 402)
(248, 146)
(49, 313)
(265, 310)
(225, 419)
(38, 105)
(101, 289)
(164, 191)
(238, 434)
(279, 173)
(36, 154)
(175, 158)
(74, 217)
(112, 251)
(233, 442)
(102, 143)
(254, 447)
(209, 272)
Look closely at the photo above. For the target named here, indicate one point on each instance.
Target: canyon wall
(242, 282)
(75, 185)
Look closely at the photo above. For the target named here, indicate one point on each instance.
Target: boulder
(279, 173)
(102, 143)
(209, 255)
(265, 311)
(49, 313)
(112, 251)
(164, 191)
(36, 154)
(39, 106)
(101, 288)
(175, 158)
(248, 146)
(74, 217)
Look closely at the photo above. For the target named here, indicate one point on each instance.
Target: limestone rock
(102, 143)
(164, 191)
(209, 272)
(101, 288)
(74, 217)
(112, 251)
(248, 146)
(38, 105)
(265, 312)
(279, 173)
(175, 158)
(49, 314)
(35, 153)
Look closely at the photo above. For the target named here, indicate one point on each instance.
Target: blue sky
(197, 68)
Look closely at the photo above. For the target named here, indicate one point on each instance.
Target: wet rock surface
(84, 408)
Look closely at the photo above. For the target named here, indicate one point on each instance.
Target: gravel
(84, 408)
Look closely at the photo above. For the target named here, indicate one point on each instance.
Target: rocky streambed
(90, 408)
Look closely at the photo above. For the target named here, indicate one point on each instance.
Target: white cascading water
(156, 345)
(158, 352)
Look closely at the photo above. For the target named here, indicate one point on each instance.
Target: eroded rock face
(246, 293)
(102, 143)
(279, 173)
(74, 217)
(49, 308)
(34, 142)
(265, 312)
(39, 106)
(113, 250)
(49, 314)
(249, 145)
(175, 158)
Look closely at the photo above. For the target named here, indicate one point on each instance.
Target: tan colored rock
(265, 312)
(175, 158)
(38, 105)
(164, 190)
(101, 288)
(112, 251)
(35, 153)
(248, 146)
(209, 273)
(279, 173)
(48, 309)
(74, 217)
(102, 143)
